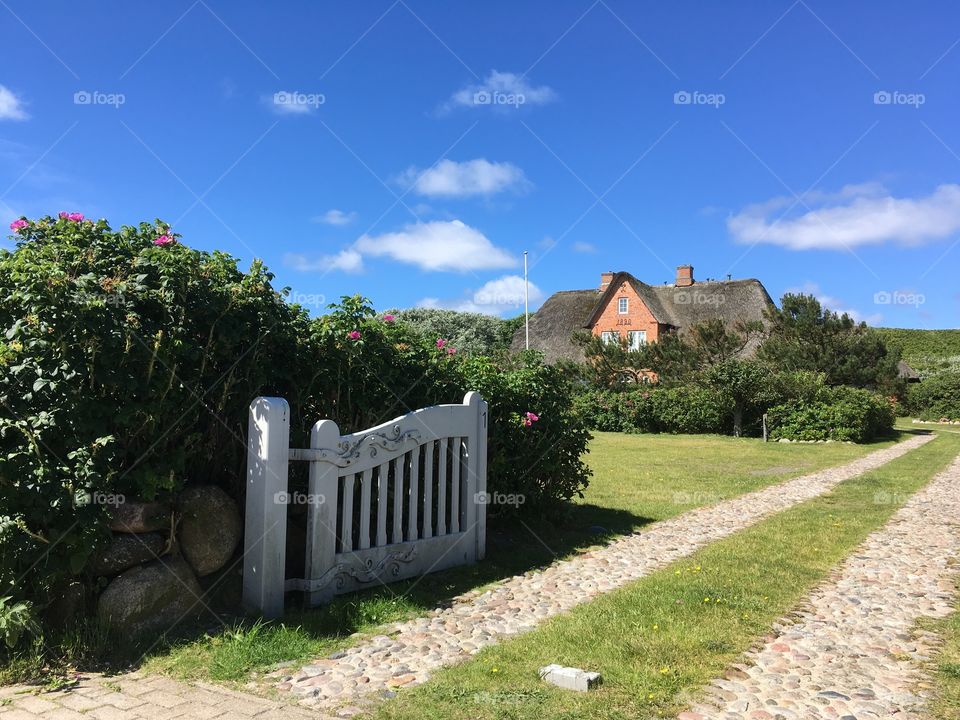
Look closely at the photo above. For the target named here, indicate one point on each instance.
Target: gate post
(322, 507)
(265, 521)
(482, 413)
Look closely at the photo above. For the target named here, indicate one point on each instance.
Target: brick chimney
(684, 276)
(605, 279)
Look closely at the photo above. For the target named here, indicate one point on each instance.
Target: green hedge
(837, 413)
(687, 409)
(935, 398)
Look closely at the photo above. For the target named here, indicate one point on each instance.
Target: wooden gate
(402, 499)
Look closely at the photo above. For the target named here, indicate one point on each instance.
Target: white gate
(399, 500)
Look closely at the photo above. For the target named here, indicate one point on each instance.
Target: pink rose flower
(164, 240)
(441, 343)
(532, 417)
(527, 422)
(354, 334)
(74, 217)
(389, 318)
(451, 351)
(18, 225)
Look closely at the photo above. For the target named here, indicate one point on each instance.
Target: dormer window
(622, 306)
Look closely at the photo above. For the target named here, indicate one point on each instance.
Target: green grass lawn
(946, 669)
(637, 479)
(660, 639)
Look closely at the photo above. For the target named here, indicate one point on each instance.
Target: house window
(610, 337)
(637, 338)
(622, 304)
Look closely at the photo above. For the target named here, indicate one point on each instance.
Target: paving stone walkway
(347, 681)
(134, 696)
(852, 652)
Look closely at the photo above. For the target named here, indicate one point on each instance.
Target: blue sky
(411, 151)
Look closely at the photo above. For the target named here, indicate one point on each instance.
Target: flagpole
(526, 302)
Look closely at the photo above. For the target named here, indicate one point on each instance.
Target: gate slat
(399, 466)
(428, 489)
(346, 540)
(414, 494)
(382, 477)
(365, 509)
(455, 485)
(442, 489)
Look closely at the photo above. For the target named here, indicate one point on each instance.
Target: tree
(803, 335)
(742, 383)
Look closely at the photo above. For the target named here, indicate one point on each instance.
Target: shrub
(540, 459)
(936, 397)
(840, 413)
(691, 409)
(682, 409)
(129, 362)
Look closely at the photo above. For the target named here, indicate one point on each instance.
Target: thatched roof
(552, 326)
(678, 307)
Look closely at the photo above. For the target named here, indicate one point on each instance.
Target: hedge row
(935, 398)
(798, 407)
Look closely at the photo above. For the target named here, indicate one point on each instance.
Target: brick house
(625, 307)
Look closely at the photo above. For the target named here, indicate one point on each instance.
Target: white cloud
(501, 90)
(336, 217)
(836, 304)
(858, 215)
(348, 260)
(438, 245)
(461, 179)
(584, 247)
(10, 106)
(505, 294)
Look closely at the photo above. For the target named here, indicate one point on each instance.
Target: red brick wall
(638, 317)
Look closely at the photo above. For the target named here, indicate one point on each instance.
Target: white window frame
(610, 336)
(636, 339)
(623, 305)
